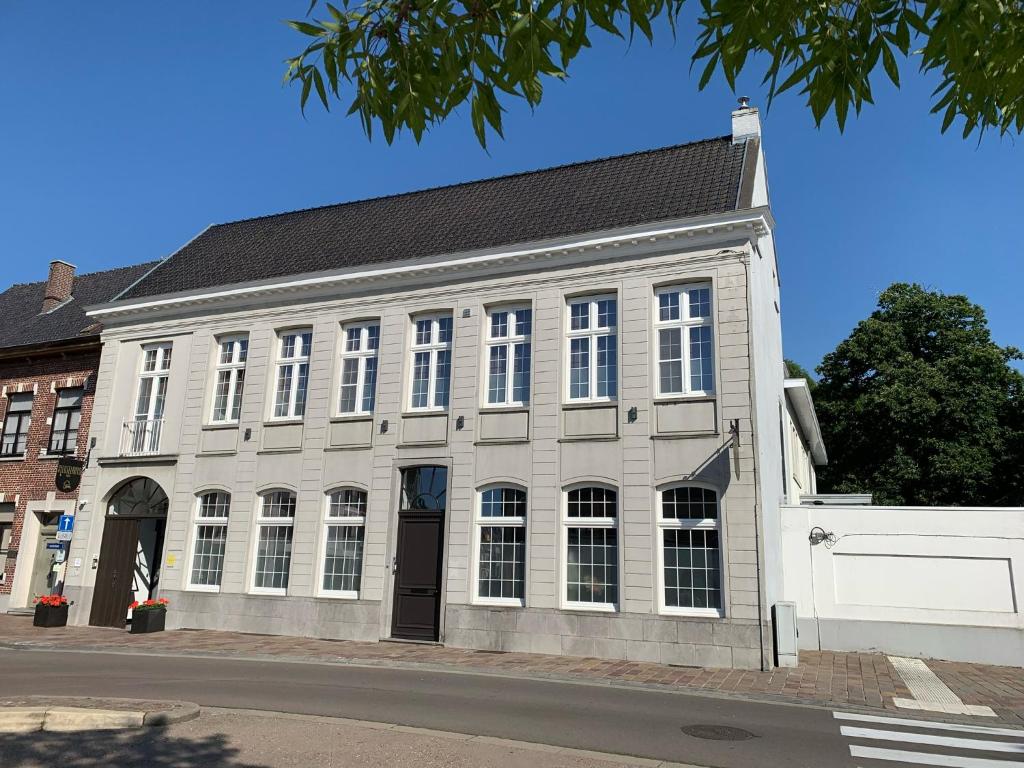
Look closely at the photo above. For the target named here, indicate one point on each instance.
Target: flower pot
(50, 616)
(151, 620)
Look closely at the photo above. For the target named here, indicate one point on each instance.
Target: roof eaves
(799, 395)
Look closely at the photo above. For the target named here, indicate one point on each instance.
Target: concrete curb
(67, 717)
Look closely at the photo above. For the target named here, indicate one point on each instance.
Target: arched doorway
(130, 553)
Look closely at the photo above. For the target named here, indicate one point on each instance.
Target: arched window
(501, 546)
(344, 534)
(591, 538)
(274, 526)
(209, 541)
(691, 562)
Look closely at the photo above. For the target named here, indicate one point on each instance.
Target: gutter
(52, 348)
(755, 218)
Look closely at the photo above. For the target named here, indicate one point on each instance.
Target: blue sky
(129, 127)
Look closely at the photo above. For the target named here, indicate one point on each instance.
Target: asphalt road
(617, 720)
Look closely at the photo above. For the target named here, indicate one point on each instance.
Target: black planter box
(151, 620)
(50, 616)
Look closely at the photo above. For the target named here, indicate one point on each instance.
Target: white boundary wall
(932, 582)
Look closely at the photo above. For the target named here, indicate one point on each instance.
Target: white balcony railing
(141, 437)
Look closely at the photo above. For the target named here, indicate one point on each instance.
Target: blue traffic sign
(66, 523)
(55, 545)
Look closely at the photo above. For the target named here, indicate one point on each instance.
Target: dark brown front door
(114, 574)
(418, 557)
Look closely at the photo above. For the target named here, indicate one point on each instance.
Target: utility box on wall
(784, 627)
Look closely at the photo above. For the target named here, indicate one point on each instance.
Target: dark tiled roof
(22, 321)
(686, 180)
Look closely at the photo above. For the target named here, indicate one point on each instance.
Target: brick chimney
(58, 284)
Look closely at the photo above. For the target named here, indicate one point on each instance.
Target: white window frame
(161, 370)
(479, 523)
(663, 524)
(592, 333)
(235, 369)
(432, 349)
(261, 522)
(684, 323)
(198, 522)
(329, 521)
(301, 356)
(589, 522)
(361, 356)
(509, 341)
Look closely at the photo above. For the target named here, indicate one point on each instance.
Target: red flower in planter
(149, 605)
(55, 601)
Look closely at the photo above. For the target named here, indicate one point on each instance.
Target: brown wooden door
(114, 574)
(416, 613)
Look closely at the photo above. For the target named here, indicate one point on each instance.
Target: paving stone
(832, 678)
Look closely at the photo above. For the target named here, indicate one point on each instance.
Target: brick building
(49, 353)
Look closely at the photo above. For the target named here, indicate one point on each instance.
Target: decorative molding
(757, 221)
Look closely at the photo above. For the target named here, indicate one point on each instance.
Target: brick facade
(30, 479)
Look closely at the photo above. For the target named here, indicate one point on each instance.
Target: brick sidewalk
(823, 678)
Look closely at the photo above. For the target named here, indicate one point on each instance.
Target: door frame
(108, 516)
(388, 603)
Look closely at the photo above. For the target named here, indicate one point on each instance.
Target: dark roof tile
(23, 323)
(675, 182)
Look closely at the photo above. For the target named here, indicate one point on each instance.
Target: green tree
(919, 406)
(408, 64)
(796, 371)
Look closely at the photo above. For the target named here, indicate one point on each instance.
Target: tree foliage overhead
(919, 406)
(408, 64)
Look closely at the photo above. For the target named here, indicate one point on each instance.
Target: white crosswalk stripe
(923, 742)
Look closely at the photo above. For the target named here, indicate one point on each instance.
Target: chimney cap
(744, 102)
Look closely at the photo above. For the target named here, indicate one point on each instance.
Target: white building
(543, 412)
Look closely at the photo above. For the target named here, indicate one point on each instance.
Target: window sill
(580, 406)
(12, 458)
(215, 426)
(498, 603)
(282, 422)
(485, 408)
(684, 435)
(262, 592)
(591, 607)
(418, 414)
(692, 613)
(348, 417)
(699, 397)
(53, 456)
(327, 595)
(202, 588)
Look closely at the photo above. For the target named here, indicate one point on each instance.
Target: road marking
(925, 738)
(930, 693)
(928, 758)
(929, 724)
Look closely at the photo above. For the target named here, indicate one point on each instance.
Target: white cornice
(799, 395)
(756, 220)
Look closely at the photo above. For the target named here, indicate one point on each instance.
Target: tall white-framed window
(291, 377)
(275, 523)
(360, 343)
(229, 382)
(144, 433)
(685, 340)
(16, 424)
(209, 541)
(344, 537)
(508, 350)
(431, 362)
(501, 546)
(690, 551)
(592, 348)
(590, 528)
